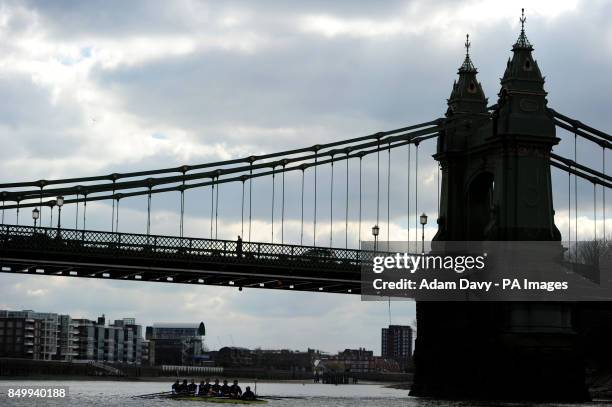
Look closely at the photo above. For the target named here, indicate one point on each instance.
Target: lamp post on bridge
(375, 232)
(35, 215)
(423, 220)
(59, 202)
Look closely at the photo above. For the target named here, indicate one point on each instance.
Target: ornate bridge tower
(496, 185)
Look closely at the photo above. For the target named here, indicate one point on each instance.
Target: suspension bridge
(40, 246)
(495, 166)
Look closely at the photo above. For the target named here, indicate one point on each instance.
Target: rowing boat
(222, 400)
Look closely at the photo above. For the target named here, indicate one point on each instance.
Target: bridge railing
(117, 245)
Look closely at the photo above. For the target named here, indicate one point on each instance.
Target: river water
(118, 393)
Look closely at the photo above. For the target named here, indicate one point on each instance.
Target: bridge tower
(496, 185)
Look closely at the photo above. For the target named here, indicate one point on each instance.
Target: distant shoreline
(164, 379)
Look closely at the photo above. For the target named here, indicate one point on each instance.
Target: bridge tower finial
(522, 42)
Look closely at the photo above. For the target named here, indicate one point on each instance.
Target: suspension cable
(217, 209)
(117, 218)
(438, 188)
(84, 211)
(242, 212)
(76, 220)
(331, 206)
(576, 193)
(148, 212)
(283, 209)
(388, 195)
(416, 194)
(3, 212)
(378, 185)
(435, 122)
(569, 213)
(302, 224)
(250, 197)
(273, 192)
(360, 161)
(408, 200)
(347, 205)
(212, 206)
(17, 223)
(113, 203)
(41, 205)
(314, 235)
(400, 142)
(51, 217)
(182, 225)
(595, 212)
(603, 170)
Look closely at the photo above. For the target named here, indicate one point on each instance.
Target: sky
(98, 87)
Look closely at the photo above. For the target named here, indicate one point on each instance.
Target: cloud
(103, 86)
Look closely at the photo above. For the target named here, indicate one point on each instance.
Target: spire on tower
(522, 42)
(467, 65)
(467, 94)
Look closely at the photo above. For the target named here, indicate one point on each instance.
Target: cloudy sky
(101, 86)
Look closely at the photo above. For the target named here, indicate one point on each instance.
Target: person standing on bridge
(239, 246)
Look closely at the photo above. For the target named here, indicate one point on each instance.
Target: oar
(154, 394)
(281, 397)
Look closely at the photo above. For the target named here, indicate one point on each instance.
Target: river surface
(118, 393)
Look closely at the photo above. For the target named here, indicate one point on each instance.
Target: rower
(182, 388)
(175, 386)
(225, 389)
(248, 394)
(205, 387)
(235, 390)
(216, 388)
(191, 388)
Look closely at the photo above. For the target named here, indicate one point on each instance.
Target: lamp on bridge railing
(375, 232)
(59, 202)
(423, 220)
(35, 215)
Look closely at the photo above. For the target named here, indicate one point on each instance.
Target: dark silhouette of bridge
(80, 252)
(495, 165)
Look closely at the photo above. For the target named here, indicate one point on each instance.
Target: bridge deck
(97, 254)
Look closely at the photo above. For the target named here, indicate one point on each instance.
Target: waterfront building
(266, 359)
(49, 336)
(396, 343)
(175, 343)
(37, 335)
